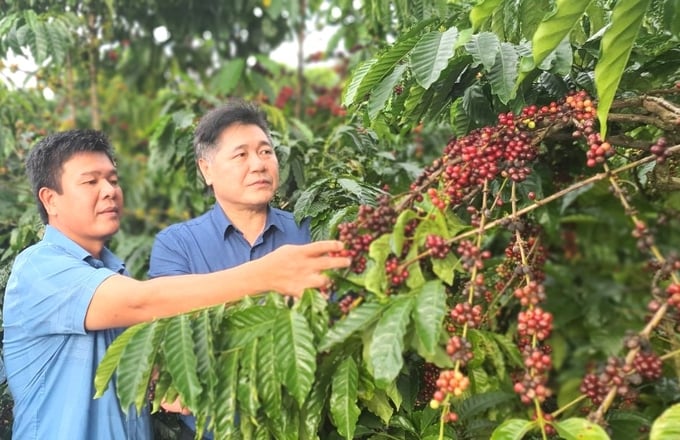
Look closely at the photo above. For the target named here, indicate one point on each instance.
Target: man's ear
(47, 198)
(204, 168)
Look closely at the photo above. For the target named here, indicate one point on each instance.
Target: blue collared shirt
(210, 242)
(50, 359)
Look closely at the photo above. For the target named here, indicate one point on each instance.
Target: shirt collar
(109, 259)
(223, 223)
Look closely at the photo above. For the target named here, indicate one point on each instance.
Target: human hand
(175, 407)
(293, 268)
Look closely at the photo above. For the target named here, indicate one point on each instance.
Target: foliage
(588, 214)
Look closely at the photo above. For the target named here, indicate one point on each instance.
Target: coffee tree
(521, 284)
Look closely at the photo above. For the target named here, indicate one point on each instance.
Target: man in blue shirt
(68, 296)
(236, 158)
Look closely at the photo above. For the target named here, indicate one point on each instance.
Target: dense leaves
(457, 113)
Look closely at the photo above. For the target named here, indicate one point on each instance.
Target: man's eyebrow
(92, 173)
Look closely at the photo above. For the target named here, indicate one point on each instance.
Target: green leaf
(343, 403)
(247, 393)
(507, 346)
(617, 43)
(380, 405)
(229, 76)
(178, 350)
(250, 323)
(482, 11)
(227, 372)
(476, 405)
(667, 426)
(388, 60)
(358, 75)
(415, 277)
(111, 358)
(555, 27)
(412, 104)
(384, 90)
(376, 278)
(387, 344)
(580, 429)
(671, 13)
(137, 363)
(513, 429)
(428, 314)
(205, 356)
(445, 268)
(351, 186)
(503, 74)
(483, 47)
(357, 320)
(268, 382)
(295, 353)
(397, 238)
(431, 55)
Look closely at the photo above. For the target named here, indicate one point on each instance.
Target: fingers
(333, 262)
(323, 247)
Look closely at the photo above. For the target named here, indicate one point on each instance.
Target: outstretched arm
(121, 301)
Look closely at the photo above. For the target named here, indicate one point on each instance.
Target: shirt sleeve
(168, 256)
(53, 291)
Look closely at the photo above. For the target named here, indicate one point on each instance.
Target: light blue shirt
(50, 359)
(210, 243)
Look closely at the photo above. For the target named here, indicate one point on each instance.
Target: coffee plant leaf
(375, 276)
(295, 353)
(476, 404)
(387, 344)
(397, 238)
(580, 429)
(356, 321)
(429, 313)
(137, 363)
(204, 348)
(384, 90)
(228, 76)
(503, 74)
(267, 378)
(480, 381)
(313, 306)
(415, 277)
(483, 47)
(247, 392)
(180, 358)
(222, 416)
(670, 17)
(509, 349)
(343, 401)
(482, 11)
(445, 268)
(513, 429)
(555, 27)
(667, 426)
(616, 46)
(248, 324)
(431, 55)
(379, 405)
(390, 58)
(112, 357)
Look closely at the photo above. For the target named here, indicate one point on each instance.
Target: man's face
(243, 171)
(89, 207)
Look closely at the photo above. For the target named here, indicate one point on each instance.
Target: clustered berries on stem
(460, 178)
(620, 375)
